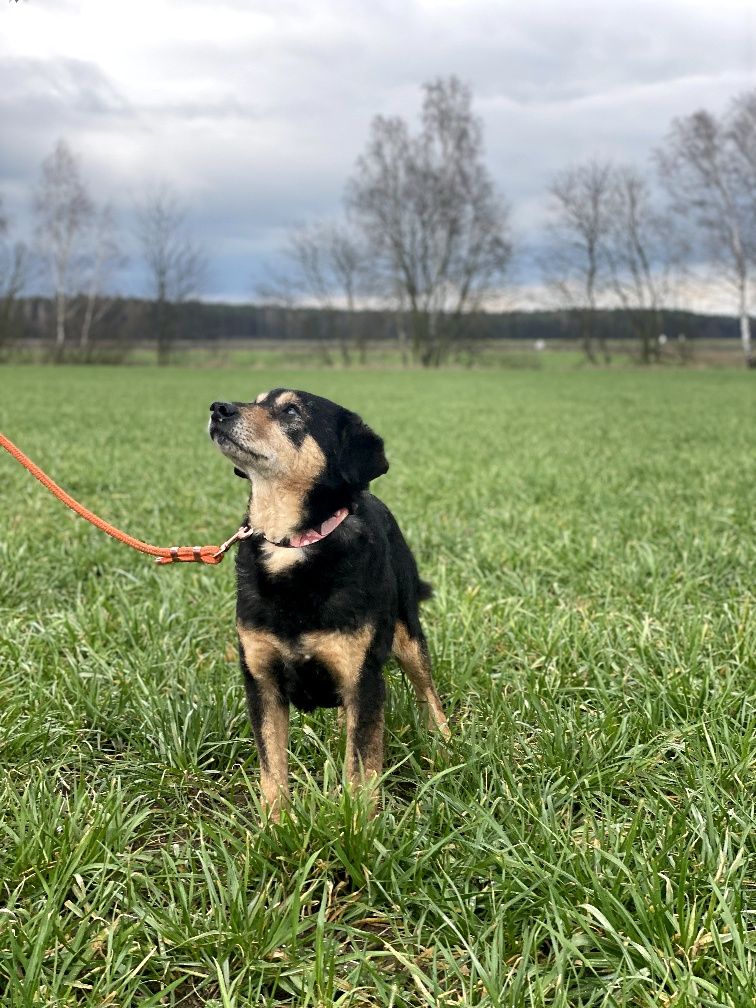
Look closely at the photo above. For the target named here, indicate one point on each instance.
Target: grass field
(587, 838)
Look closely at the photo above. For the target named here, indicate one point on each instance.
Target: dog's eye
(292, 411)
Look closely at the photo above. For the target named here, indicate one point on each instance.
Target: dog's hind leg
(269, 715)
(412, 654)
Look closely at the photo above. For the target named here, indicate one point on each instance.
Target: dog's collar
(299, 539)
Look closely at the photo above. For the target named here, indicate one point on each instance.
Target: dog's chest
(307, 683)
(311, 628)
(320, 668)
(280, 559)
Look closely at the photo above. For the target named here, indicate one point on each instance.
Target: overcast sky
(255, 111)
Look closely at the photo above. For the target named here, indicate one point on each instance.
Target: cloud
(256, 112)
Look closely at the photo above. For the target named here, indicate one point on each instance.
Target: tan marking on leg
(274, 779)
(416, 667)
(261, 649)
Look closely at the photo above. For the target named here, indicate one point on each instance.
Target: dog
(327, 587)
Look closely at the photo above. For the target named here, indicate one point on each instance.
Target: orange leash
(163, 555)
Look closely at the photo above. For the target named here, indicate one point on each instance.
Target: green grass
(588, 836)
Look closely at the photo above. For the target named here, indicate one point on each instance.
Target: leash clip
(243, 532)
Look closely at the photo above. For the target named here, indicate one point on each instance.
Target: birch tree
(437, 230)
(105, 257)
(576, 265)
(330, 263)
(708, 166)
(175, 264)
(645, 256)
(64, 211)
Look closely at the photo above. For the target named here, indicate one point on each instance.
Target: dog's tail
(424, 590)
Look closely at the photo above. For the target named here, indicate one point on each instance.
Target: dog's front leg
(269, 716)
(364, 706)
(270, 722)
(355, 661)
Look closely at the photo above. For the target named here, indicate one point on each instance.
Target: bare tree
(581, 222)
(105, 258)
(350, 263)
(175, 264)
(331, 269)
(14, 264)
(64, 211)
(308, 251)
(741, 135)
(708, 166)
(645, 255)
(437, 230)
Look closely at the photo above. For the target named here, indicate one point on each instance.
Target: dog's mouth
(231, 447)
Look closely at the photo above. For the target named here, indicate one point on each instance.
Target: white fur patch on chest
(278, 559)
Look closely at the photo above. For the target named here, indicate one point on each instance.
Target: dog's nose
(223, 410)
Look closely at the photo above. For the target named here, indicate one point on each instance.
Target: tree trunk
(587, 328)
(438, 339)
(657, 323)
(60, 319)
(603, 346)
(432, 348)
(401, 335)
(745, 337)
(86, 325)
(419, 335)
(360, 342)
(745, 320)
(163, 336)
(645, 342)
(162, 323)
(5, 319)
(644, 324)
(342, 326)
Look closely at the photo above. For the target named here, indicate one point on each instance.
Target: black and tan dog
(327, 587)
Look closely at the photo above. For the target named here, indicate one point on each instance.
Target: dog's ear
(240, 474)
(361, 455)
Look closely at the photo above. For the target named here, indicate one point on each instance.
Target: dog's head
(299, 440)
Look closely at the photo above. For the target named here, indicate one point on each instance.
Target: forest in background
(343, 336)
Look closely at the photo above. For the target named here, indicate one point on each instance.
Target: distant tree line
(125, 323)
(422, 253)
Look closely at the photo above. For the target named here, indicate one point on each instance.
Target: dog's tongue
(305, 538)
(313, 535)
(331, 523)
